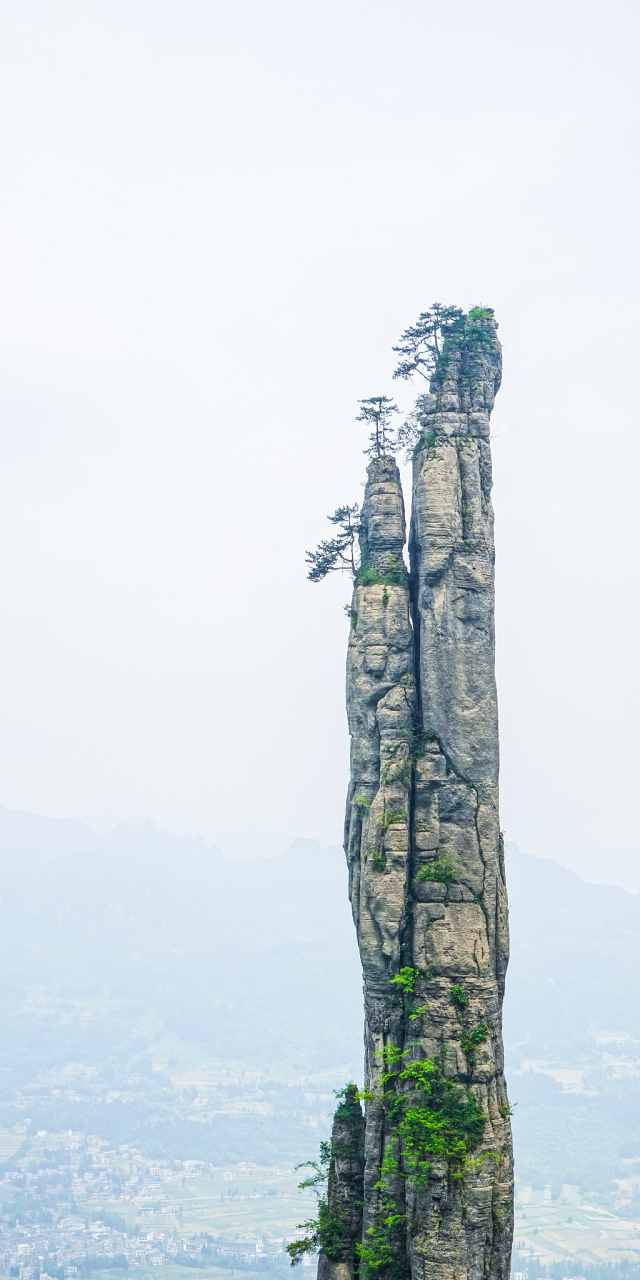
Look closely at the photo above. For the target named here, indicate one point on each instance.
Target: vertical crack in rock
(423, 846)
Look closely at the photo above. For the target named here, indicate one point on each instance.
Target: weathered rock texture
(423, 844)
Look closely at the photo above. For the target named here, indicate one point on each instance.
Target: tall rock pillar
(423, 845)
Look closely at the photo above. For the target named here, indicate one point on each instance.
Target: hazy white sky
(216, 218)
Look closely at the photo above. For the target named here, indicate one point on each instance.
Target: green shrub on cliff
(433, 1119)
(393, 575)
(458, 997)
(441, 870)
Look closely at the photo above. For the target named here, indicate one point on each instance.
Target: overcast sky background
(215, 221)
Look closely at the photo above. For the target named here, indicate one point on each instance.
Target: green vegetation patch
(394, 575)
(432, 1119)
(441, 870)
(458, 998)
(436, 1118)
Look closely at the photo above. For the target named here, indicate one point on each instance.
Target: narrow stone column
(381, 706)
(460, 1226)
(338, 1258)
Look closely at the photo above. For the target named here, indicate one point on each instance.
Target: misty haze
(252, 918)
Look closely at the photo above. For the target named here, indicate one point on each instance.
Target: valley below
(176, 1022)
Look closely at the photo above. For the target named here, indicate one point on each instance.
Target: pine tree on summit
(421, 344)
(339, 553)
(378, 411)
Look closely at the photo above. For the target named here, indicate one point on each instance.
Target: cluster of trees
(421, 350)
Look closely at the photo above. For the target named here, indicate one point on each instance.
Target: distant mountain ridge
(233, 842)
(561, 929)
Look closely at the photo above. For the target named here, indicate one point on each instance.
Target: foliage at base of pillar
(432, 1119)
(385, 1253)
(332, 1230)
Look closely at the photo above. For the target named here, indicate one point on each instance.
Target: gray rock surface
(422, 836)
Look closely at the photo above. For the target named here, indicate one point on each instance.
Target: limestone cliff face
(423, 845)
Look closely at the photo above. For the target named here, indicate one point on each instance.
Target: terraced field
(571, 1230)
